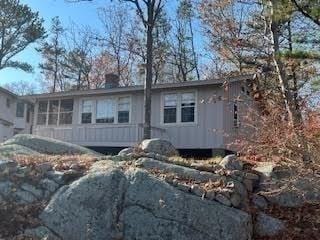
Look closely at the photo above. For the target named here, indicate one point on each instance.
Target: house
(16, 115)
(194, 115)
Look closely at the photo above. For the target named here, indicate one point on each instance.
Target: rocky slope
(139, 194)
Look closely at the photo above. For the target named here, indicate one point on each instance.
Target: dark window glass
(170, 115)
(43, 106)
(187, 114)
(105, 120)
(123, 116)
(29, 111)
(20, 110)
(86, 117)
(187, 107)
(170, 108)
(8, 102)
(66, 105)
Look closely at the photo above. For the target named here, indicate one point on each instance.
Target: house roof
(137, 88)
(8, 92)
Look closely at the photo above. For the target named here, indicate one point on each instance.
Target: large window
(55, 112)
(20, 110)
(86, 113)
(179, 108)
(123, 110)
(187, 107)
(42, 113)
(170, 108)
(106, 110)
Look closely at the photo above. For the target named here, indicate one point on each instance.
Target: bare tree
(22, 87)
(79, 56)
(119, 30)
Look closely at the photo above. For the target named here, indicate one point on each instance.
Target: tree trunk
(148, 79)
(294, 116)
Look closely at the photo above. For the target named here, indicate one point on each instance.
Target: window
(123, 109)
(66, 111)
(187, 107)
(235, 115)
(29, 110)
(86, 113)
(170, 108)
(53, 112)
(20, 110)
(106, 109)
(42, 113)
(8, 102)
(179, 108)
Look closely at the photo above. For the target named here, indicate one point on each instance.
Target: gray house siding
(206, 132)
(7, 114)
(213, 127)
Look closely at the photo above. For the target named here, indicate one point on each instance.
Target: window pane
(87, 106)
(66, 105)
(106, 111)
(20, 110)
(124, 104)
(65, 118)
(53, 119)
(170, 100)
(43, 106)
(170, 115)
(187, 114)
(86, 117)
(54, 106)
(123, 116)
(42, 119)
(188, 99)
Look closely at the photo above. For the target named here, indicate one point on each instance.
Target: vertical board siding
(207, 132)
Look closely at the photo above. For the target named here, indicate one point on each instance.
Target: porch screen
(42, 113)
(66, 111)
(106, 109)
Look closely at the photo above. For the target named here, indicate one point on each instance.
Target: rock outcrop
(132, 204)
(43, 145)
(158, 146)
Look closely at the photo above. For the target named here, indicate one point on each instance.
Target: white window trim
(179, 101)
(47, 112)
(94, 111)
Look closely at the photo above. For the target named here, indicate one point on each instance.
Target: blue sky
(81, 13)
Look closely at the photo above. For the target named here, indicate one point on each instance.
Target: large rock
(10, 150)
(47, 145)
(110, 203)
(267, 226)
(159, 146)
(230, 162)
